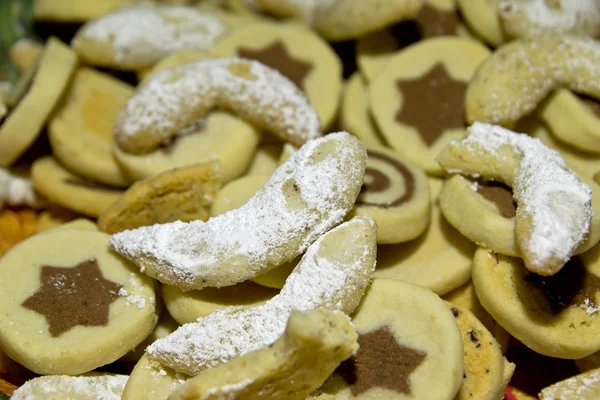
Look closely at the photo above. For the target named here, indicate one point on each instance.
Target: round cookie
(80, 131)
(74, 10)
(417, 356)
(40, 90)
(150, 380)
(483, 19)
(556, 316)
(71, 305)
(172, 60)
(418, 98)
(164, 327)
(396, 195)
(69, 190)
(219, 136)
(296, 52)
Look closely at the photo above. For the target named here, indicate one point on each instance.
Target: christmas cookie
(482, 17)
(71, 305)
(554, 315)
(80, 131)
(150, 380)
(584, 386)
(298, 54)
(16, 190)
(74, 10)
(24, 53)
(164, 327)
(307, 195)
(79, 223)
(60, 387)
(417, 100)
(69, 190)
(181, 194)
(354, 114)
(35, 99)
(173, 60)
(265, 160)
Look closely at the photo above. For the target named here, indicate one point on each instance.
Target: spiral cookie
(355, 116)
(483, 19)
(256, 92)
(329, 276)
(519, 75)
(306, 196)
(138, 36)
(94, 386)
(417, 99)
(554, 211)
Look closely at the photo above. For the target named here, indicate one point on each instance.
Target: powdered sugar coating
(331, 275)
(582, 386)
(16, 190)
(176, 97)
(54, 387)
(325, 175)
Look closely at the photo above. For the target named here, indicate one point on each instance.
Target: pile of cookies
(283, 199)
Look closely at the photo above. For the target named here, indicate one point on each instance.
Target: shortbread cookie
(312, 346)
(186, 307)
(298, 54)
(554, 210)
(16, 190)
(181, 194)
(164, 327)
(554, 315)
(79, 223)
(250, 89)
(24, 53)
(72, 305)
(69, 190)
(584, 386)
(418, 355)
(483, 19)
(487, 372)
(42, 89)
(80, 131)
(417, 100)
(74, 10)
(174, 59)
(588, 363)
(354, 114)
(330, 276)
(60, 387)
(396, 195)
(534, 18)
(518, 76)
(307, 195)
(138, 36)
(150, 380)
(219, 136)
(265, 160)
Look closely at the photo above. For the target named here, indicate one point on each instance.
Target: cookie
(69, 294)
(312, 346)
(94, 386)
(79, 223)
(417, 100)
(164, 327)
(275, 226)
(138, 36)
(487, 372)
(555, 316)
(181, 194)
(73, 10)
(24, 53)
(150, 380)
(80, 131)
(329, 277)
(354, 114)
(584, 386)
(62, 187)
(17, 190)
(41, 90)
(417, 356)
(265, 160)
(298, 54)
(172, 60)
(482, 18)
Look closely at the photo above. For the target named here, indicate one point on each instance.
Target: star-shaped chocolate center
(380, 362)
(432, 103)
(501, 195)
(276, 56)
(73, 296)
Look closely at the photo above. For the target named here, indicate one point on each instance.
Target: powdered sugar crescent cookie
(417, 100)
(354, 114)
(72, 305)
(584, 386)
(40, 92)
(554, 212)
(553, 315)
(80, 131)
(60, 387)
(483, 19)
(73, 10)
(312, 346)
(149, 380)
(138, 36)
(330, 276)
(306, 196)
(519, 75)
(182, 194)
(418, 356)
(252, 90)
(16, 190)
(298, 54)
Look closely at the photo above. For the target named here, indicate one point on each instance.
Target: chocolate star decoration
(380, 362)
(432, 103)
(276, 56)
(73, 296)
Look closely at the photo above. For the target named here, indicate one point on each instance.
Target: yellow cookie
(584, 386)
(265, 160)
(74, 10)
(164, 327)
(483, 19)
(92, 386)
(150, 380)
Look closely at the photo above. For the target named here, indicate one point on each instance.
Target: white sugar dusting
(100, 387)
(589, 307)
(16, 191)
(582, 386)
(545, 188)
(226, 390)
(335, 283)
(132, 296)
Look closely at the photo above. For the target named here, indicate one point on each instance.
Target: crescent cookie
(17, 190)
(306, 196)
(250, 89)
(355, 116)
(60, 387)
(298, 54)
(482, 18)
(553, 212)
(417, 99)
(585, 386)
(330, 276)
(138, 36)
(150, 380)
(519, 75)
